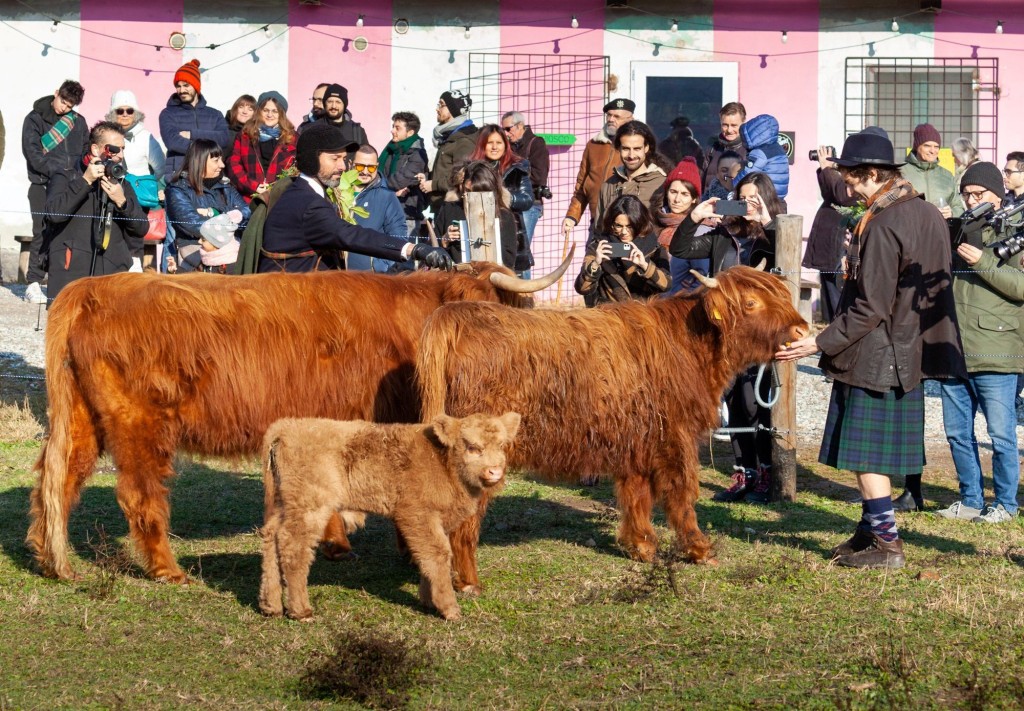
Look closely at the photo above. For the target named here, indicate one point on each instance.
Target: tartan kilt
(871, 431)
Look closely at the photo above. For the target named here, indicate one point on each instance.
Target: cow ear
(511, 421)
(716, 306)
(446, 429)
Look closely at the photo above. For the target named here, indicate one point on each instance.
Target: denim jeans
(530, 219)
(994, 393)
(682, 280)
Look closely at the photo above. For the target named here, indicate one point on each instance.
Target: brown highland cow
(626, 390)
(427, 478)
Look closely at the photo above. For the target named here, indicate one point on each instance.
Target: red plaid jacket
(245, 169)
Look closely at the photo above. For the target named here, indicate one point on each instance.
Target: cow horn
(761, 265)
(709, 282)
(529, 286)
(464, 267)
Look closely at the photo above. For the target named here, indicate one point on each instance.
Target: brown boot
(860, 540)
(879, 554)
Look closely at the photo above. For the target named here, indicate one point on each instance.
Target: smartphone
(621, 250)
(731, 207)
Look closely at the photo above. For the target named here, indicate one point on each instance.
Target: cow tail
(51, 498)
(431, 369)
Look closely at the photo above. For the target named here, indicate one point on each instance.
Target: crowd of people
(911, 288)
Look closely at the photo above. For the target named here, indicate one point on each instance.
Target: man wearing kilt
(896, 326)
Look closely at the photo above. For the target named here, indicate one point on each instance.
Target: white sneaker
(959, 511)
(994, 514)
(34, 294)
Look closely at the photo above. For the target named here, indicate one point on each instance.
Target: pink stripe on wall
(787, 87)
(142, 22)
(317, 53)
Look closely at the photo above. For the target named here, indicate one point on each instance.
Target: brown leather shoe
(860, 540)
(879, 554)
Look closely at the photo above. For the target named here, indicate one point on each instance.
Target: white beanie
(123, 97)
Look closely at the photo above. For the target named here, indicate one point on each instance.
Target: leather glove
(432, 256)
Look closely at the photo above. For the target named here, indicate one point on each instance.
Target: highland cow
(142, 365)
(625, 389)
(426, 478)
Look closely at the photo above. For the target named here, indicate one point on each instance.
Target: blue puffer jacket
(200, 121)
(182, 203)
(764, 154)
(386, 215)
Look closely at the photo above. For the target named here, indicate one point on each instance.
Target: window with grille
(960, 97)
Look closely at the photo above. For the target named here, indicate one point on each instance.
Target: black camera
(114, 170)
(1014, 244)
(813, 155)
(542, 192)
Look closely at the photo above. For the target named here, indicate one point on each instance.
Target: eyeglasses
(125, 112)
(1007, 172)
(112, 150)
(269, 111)
(371, 168)
(976, 194)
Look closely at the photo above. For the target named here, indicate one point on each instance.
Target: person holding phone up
(746, 238)
(625, 261)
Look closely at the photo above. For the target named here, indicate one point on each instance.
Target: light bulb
(999, 27)
(451, 56)
(675, 26)
(575, 23)
(785, 37)
(359, 21)
(764, 61)
(466, 34)
(53, 27)
(266, 32)
(895, 25)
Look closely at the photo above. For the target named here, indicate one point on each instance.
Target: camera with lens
(114, 170)
(1014, 244)
(813, 155)
(542, 192)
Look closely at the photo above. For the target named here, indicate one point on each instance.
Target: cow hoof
(646, 554)
(470, 590)
(452, 615)
(302, 615)
(178, 578)
(271, 613)
(335, 552)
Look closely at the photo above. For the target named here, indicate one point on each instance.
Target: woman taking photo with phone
(745, 239)
(625, 261)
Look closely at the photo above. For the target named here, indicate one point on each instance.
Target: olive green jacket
(933, 181)
(989, 302)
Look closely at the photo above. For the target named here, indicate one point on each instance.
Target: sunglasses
(371, 168)
(1007, 172)
(508, 129)
(112, 150)
(125, 112)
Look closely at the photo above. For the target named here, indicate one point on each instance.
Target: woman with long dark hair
(746, 239)
(476, 177)
(625, 261)
(493, 146)
(201, 193)
(264, 148)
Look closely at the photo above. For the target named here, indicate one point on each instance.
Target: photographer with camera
(91, 215)
(989, 297)
(625, 261)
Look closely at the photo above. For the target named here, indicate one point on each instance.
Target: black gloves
(432, 256)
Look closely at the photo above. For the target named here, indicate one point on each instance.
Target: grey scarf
(442, 130)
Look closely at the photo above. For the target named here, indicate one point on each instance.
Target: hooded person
(888, 336)
(304, 232)
(764, 152)
(188, 117)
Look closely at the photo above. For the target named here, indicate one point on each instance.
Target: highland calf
(427, 478)
(625, 389)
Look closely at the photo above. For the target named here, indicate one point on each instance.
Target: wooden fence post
(788, 247)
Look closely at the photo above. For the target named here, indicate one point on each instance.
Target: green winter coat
(252, 238)
(933, 181)
(989, 301)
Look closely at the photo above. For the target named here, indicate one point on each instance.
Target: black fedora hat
(867, 148)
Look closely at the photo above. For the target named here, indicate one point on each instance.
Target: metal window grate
(960, 97)
(558, 94)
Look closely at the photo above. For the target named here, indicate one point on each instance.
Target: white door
(664, 91)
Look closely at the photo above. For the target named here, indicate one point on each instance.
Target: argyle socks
(880, 517)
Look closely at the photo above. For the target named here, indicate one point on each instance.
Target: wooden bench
(26, 249)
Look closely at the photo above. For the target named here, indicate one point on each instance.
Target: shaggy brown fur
(141, 365)
(624, 389)
(427, 478)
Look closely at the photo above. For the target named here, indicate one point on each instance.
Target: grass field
(566, 621)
